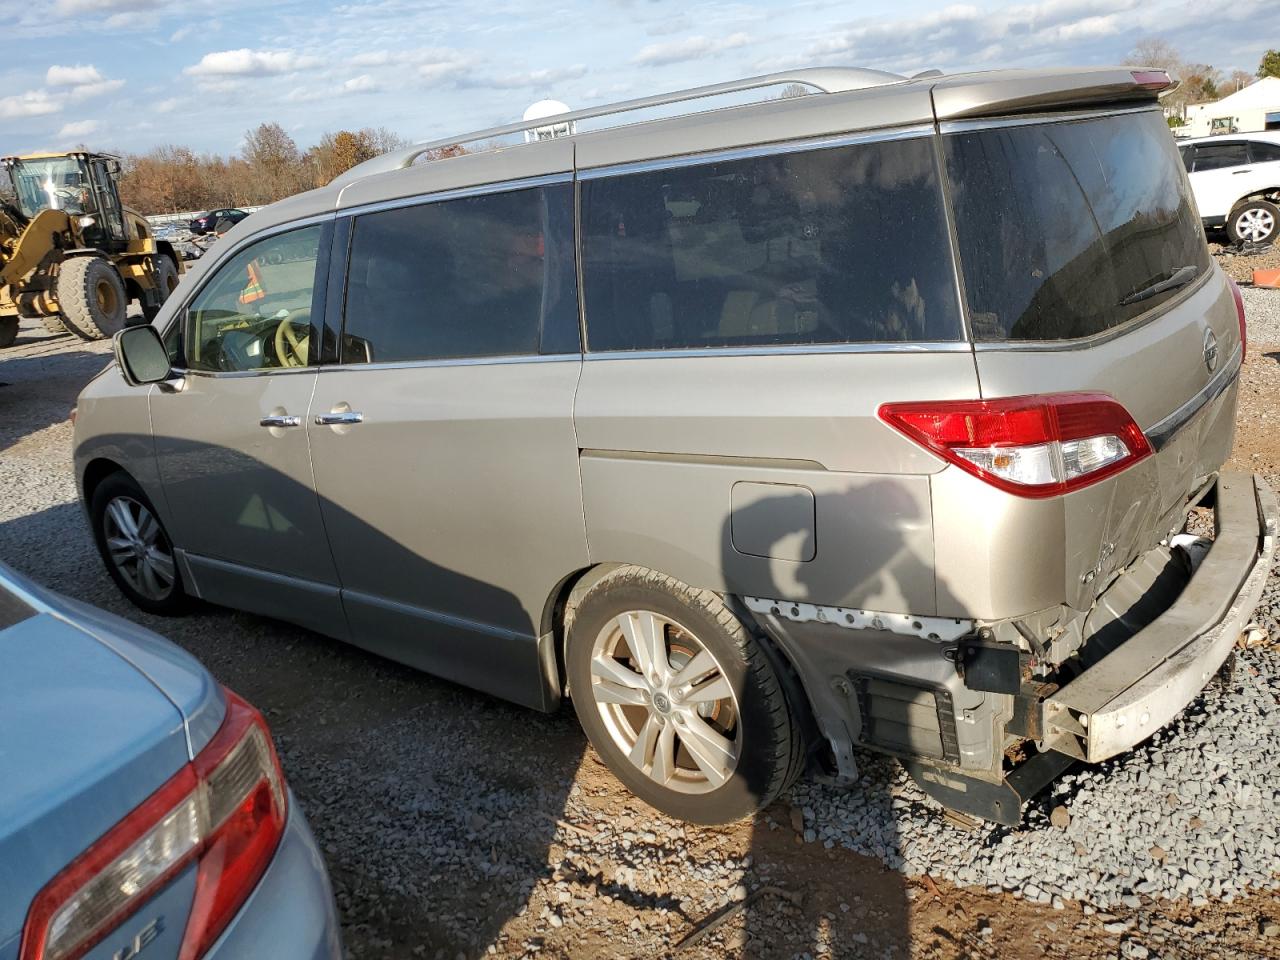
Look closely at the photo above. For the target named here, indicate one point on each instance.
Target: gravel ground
(455, 825)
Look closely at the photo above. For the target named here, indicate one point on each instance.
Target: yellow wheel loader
(71, 254)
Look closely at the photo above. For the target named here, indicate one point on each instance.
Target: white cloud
(72, 7)
(182, 33)
(361, 84)
(446, 68)
(532, 78)
(79, 128)
(690, 48)
(80, 74)
(376, 58)
(250, 63)
(167, 106)
(95, 89)
(33, 103)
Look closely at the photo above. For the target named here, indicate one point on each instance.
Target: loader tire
(167, 278)
(92, 297)
(8, 331)
(54, 323)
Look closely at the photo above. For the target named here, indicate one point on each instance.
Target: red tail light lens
(226, 811)
(1244, 332)
(1036, 446)
(1152, 79)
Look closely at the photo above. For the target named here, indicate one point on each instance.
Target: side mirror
(141, 355)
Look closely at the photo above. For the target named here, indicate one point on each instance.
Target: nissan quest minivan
(769, 434)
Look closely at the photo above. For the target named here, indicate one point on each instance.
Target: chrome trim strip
(421, 199)
(949, 346)
(1085, 343)
(261, 372)
(763, 150)
(453, 362)
(1164, 431)
(985, 123)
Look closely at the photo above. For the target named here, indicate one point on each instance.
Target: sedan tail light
(225, 812)
(1036, 446)
(1238, 297)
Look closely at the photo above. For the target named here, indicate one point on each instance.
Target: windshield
(60, 183)
(1070, 228)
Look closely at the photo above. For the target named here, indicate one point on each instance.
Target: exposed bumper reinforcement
(1147, 681)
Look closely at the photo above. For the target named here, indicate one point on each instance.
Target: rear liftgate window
(830, 246)
(1069, 229)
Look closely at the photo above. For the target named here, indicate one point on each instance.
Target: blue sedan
(142, 806)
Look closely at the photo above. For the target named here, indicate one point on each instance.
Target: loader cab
(81, 184)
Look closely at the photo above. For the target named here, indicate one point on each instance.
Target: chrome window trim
(773, 350)
(1031, 119)
(825, 142)
(1085, 343)
(1162, 432)
(458, 193)
(261, 372)
(452, 362)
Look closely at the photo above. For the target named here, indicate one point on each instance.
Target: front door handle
(1236, 173)
(280, 420)
(339, 417)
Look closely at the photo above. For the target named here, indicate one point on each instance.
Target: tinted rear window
(1219, 156)
(840, 245)
(1069, 229)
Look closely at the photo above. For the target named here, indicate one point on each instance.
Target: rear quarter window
(832, 246)
(1068, 229)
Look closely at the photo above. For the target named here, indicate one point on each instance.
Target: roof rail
(823, 79)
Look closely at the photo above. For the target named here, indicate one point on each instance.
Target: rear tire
(92, 297)
(136, 548)
(1254, 221)
(8, 331)
(166, 280)
(704, 732)
(53, 323)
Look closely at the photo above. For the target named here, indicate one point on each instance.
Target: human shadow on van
(824, 900)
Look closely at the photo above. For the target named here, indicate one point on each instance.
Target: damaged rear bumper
(1147, 681)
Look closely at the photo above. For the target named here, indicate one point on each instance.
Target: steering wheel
(291, 344)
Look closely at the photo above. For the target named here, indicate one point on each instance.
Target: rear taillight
(1244, 335)
(1037, 446)
(1152, 79)
(225, 812)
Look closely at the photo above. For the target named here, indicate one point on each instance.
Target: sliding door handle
(339, 417)
(280, 420)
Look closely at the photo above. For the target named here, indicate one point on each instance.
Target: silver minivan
(772, 433)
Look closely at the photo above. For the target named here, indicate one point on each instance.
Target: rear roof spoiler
(1004, 92)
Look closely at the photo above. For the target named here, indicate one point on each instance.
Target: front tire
(1255, 221)
(679, 699)
(136, 548)
(92, 297)
(8, 331)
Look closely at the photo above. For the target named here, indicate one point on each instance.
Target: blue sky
(133, 74)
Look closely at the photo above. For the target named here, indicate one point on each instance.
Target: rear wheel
(92, 297)
(1256, 221)
(166, 280)
(135, 547)
(679, 699)
(8, 331)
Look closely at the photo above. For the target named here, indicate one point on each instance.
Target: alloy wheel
(666, 702)
(138, 548)
(1255, 225)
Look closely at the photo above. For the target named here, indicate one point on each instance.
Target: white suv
(1236, 181)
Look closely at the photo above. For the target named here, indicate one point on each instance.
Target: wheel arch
(95, 471)
(558, 615)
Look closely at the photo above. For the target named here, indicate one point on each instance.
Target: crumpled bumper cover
(1147, 681)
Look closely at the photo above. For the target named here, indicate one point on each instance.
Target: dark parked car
(207, 222)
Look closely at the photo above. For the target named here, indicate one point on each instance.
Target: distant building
(1253, 108)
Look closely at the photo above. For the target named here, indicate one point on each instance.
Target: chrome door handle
(280, 420)
(345, 416)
